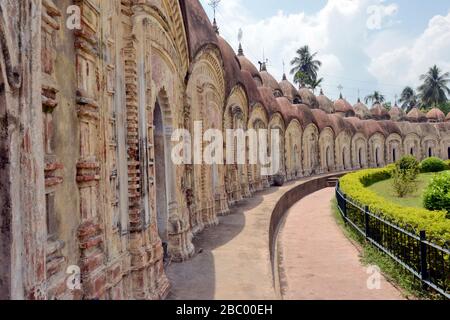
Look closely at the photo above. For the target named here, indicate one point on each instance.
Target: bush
(432, 165)
(448, 164)
(437, 194)
(414, 220)
(404, 176)
(403, 183)
(410, 165)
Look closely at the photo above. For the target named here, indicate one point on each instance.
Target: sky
(364, 45)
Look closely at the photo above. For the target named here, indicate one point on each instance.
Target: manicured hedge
(432, 165)
(435, 223)
(448, 164)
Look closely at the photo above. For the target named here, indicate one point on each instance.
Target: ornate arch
(258, 114)
(343, 151)
(310, 149)
(359, 151)
(430, 147)
(327, 154)
(236, 117)
(293, 158)
(412, 145)
(394, 148)
(237, 106)
(376, 150)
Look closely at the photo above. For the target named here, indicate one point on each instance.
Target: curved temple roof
(283, 98)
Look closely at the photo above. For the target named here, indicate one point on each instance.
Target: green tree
(314, 84)
(408, 99)
(434, 89)
(375, 97)
(305, 66)
(404, 176)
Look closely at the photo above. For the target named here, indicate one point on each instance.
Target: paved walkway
(234, 262)
(318, 261)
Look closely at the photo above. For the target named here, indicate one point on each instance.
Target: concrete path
(234, 262)
(318, 261)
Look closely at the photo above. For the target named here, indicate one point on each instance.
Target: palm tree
(305, 66)
(434, 89)
(408, 99)
(314, 84)
(376, 97)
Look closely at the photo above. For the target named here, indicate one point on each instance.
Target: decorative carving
(13, 69)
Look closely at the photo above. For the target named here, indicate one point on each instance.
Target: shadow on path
(196, 279)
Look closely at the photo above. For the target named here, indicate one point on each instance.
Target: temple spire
(284, 72)
(215, 27)
(214, 4)
(340, 88)
(263, 64)
(240, 35)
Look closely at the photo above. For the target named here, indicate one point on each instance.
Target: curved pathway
(233, 259)
(318, 261)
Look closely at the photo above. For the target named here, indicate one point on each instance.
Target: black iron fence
(427, 261)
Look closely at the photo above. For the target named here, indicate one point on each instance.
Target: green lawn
(384, 189)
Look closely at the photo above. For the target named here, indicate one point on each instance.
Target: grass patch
(411, 286)
(415, 200)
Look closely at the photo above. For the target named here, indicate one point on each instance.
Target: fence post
(366, 222)
(344, 210)
(423, 258)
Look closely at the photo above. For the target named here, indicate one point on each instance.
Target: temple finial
(262, 65)
(214, 4)
(240, 35)
(340, 88)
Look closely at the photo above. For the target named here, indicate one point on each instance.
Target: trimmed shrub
(410, 165)
(437, 194)
(448, 164)
(432, 164)
(404, 176)
(414, 220)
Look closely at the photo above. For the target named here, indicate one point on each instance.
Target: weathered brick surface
(86, 118)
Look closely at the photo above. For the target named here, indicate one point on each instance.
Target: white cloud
(405, 62)
(358, 57)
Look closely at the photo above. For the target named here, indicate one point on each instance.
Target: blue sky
(365, 45)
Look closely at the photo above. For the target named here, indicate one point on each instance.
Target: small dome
(325, 104)
(247, 65)
(435, 115)
(289, 91)
(379, 112)
(342, 106)
(361, 111)
(415, 115)
(308, 98)
(397, 114)
(270, 82)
